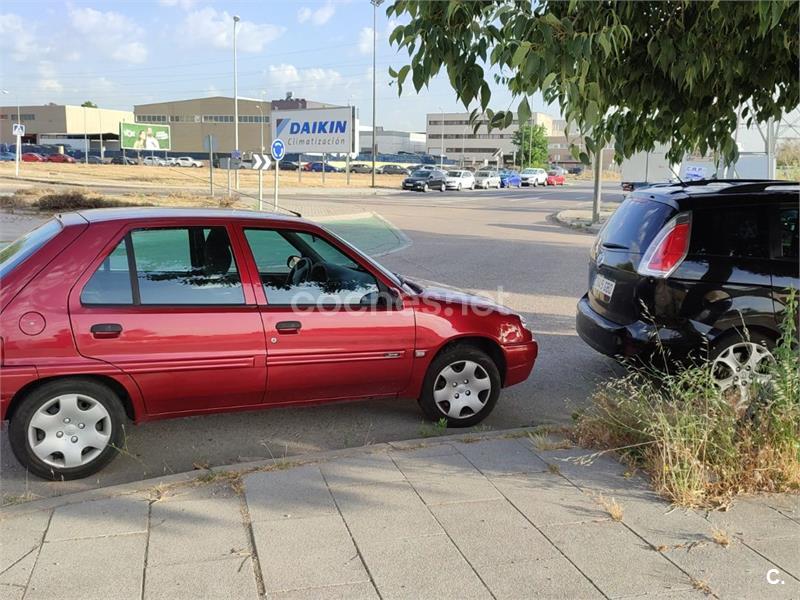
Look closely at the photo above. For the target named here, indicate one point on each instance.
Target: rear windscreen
(17, 251)
(634, 225)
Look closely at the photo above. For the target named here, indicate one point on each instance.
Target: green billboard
(144, 136)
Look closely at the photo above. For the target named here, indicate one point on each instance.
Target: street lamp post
(85, 140)
(18, 145)
(261, 172)
(375, 5)
(235, 97)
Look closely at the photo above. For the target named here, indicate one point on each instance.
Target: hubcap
(741, 365)
(69, 431)
(462, 389)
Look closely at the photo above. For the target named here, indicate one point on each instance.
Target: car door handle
(106, 330)
(288, 326)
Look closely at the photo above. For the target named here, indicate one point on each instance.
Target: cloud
(110, 32)
(17, 38)
(47, 78)
(317, 17)
(209, 26)
(305, 82)
(184, 4)
(365, 40)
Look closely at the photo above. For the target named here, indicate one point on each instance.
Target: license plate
(603, 287)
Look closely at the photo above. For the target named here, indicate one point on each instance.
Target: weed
(612, 507)
(77, 200)
(543, 442)
(721, 537)
(697, 446)
(12, 499)
(438, 428)
(554, 468)
(701, 585)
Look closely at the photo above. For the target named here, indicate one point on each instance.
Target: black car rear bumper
(635, 339)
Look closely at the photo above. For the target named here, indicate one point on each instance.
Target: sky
(121, 53)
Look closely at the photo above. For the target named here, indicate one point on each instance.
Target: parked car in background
(533, 177)
(424, 180)
(93, 338)
(414, 168)
(460, 180)
(124, 160)
(510, 178)
(171, 161)
(555, 177)
(154, 161)
(7, 156)
(318, 166)
(93, 160)
(188, 161)
(577, 170)
(487, 178)
(32, 157)
(701, 268)
(288, 165)
(557, 169)
(60, 158)
(361, 168)
(395, 170)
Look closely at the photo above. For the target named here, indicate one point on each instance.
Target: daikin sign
(330, 130)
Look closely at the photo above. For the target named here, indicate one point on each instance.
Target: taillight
(667, 251)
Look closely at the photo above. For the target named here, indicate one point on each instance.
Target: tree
(89, 104)
(637, 73)
(531, 143)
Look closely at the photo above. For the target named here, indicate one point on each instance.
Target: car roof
(99, 215)
(690, 194)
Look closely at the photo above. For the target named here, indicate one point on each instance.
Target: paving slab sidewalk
(500, 515)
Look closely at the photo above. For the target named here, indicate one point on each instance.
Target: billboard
(144, 136)
(331, 130)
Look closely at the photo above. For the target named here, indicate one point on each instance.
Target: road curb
(189, 477)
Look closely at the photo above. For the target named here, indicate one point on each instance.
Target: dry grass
(721, 537)
(701, 586)
(543, 442)
(612, 507)
(554, 468)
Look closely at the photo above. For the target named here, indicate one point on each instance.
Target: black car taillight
(667, 251)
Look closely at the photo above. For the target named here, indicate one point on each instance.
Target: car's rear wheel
(740, 363)
(67, 429)
(442, 187)
(462, 386)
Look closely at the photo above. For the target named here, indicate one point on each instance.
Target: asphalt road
(497, 243)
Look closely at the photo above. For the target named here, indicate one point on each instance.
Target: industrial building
(391, 141)
(192, 121)
(81, 127)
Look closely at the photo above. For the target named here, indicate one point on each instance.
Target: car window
(325, 276)
(788, 223)
(730, 231)
(16, 252)
(173, 266)
(634, 225)
(454, 173)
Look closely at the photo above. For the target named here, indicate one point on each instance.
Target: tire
(442, 188)
(740, 360)
(458, 189)
(108, 430)
(424, 187)
(484, 373)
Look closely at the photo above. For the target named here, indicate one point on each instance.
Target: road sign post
(18, 129)
(278, 150)
(260, 162)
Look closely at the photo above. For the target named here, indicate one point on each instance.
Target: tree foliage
(531, 143)
(638, 73)
(89, 104)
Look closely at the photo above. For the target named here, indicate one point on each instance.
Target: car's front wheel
(67, 429)
(462, 385)
(424, 187)
(442, 187)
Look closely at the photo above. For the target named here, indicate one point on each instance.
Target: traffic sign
(237, 154)
(261, 162)
(278, 149)
(210, 143)
(18, 129)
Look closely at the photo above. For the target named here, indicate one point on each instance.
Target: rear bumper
(635, 339)
(519, 361)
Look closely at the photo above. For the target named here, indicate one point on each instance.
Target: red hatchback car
(32, 157)
(142, 314)
(555, 178)
(60, 158)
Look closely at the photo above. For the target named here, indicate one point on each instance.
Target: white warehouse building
(391, 141)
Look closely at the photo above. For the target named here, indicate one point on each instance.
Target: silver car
(534, 177)
(487, 178)
(460, 180)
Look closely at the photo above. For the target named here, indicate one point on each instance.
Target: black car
(288, 165)
(394, 170)
(423, 181)
(702, 268)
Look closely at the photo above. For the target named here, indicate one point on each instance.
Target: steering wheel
(299, 271)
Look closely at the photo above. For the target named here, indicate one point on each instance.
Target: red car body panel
(32, 157)
(60, 158)
(184, 360)
(555, 180)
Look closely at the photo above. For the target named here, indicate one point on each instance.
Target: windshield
(528, 171)
(634, 225)
(379, 267)
(420, 173)
(16, 252)
(454, 173)
(484, 173)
